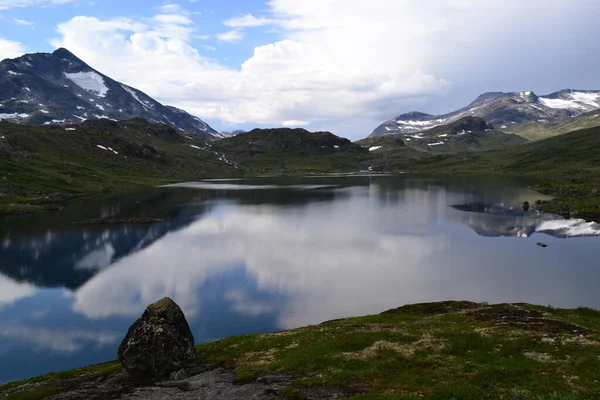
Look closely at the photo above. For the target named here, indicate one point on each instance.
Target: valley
(68, 131)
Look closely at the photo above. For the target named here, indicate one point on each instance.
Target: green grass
(43, 166)
(429, 356)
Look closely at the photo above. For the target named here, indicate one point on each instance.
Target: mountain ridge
(505, 111)
(59, 88)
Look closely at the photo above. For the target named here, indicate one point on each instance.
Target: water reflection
(494, 220)
(278, 254)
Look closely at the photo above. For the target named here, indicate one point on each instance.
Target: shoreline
(572, 200)
(443, 350)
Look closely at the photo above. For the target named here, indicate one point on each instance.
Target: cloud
(97, 259)
(23, 22)
(11, 291)
(60, 341)
(294, 122)
(10, 49)
(247, 21)
(234, 35)
(318, 257)
(345, 67)
(8, 4)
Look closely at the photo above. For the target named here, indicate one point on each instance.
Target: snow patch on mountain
(561, 103)
(135, 96)
(90, 81)
(592, 99)
(12, 116)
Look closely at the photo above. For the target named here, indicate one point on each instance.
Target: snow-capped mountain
(59, 88)
(505, 111)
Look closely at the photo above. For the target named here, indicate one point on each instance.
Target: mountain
(59, 88)
(286, 150)
(509, 112)
(465, 134)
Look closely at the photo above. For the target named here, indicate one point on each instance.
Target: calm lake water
(264, 255)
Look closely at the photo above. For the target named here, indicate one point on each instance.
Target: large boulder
(158, 343)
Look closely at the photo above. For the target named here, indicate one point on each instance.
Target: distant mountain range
(523, 113)
(59, 88)
(464, 134)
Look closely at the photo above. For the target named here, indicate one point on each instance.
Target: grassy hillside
(292, 151)
(42, 165)
(573, 155)
(538, 130)
(449, 350)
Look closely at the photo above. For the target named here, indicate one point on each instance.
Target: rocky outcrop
(158, 343)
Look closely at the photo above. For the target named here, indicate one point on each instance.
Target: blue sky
(208, 14)
(338, 65)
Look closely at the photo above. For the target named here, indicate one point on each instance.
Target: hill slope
(59, 88)
(43, 165)
(293, 151)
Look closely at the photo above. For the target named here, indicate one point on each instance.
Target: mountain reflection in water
(503, 220)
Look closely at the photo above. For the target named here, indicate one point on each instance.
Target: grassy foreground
(448, 350)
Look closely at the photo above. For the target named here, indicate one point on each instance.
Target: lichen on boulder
(158, 343)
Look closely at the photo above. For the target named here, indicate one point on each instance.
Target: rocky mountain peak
(59, 88)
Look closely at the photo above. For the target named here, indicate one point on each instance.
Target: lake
(268, 254)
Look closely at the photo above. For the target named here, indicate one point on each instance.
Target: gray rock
(158, 343)
(544, 245)
(215, 384)
(596, 191)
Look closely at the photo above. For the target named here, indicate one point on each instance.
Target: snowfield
(90, 81)
(560, 103)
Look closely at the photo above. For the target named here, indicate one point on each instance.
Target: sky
(343, 66)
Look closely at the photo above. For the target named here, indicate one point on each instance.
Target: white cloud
(97, 259)
(8, 4)
(336, 61)
(59, 341)
(10, 49)
(247, 21)
(23, 22)
(294, 122)
(234, 35)
(11, 291)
